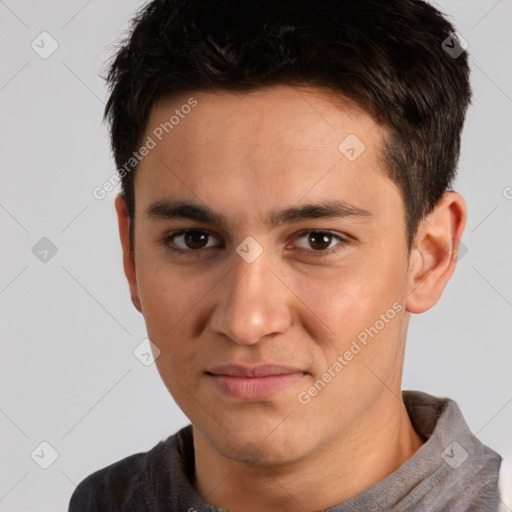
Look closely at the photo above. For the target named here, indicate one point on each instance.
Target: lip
(254, 382)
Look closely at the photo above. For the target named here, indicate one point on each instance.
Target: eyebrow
(166, 209)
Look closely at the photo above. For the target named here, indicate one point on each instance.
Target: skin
(245, 155)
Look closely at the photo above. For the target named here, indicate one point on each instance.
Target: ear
(123, 219)
(434, 255)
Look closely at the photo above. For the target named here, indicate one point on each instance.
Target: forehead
(252, 151)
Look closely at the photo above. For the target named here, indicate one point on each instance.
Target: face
(270, 267)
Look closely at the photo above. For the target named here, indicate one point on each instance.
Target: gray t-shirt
(453, 471)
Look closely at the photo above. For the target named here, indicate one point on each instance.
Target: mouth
(254, 382)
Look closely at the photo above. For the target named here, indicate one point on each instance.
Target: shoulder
(505, 484)
(119, 487)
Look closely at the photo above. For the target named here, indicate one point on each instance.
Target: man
(286, 206)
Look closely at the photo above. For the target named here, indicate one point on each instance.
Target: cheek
(352, 296)
(163, 287)
(173, 304)
(361, 305)
(166, 298)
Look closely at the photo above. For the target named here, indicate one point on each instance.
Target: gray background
(68, 375)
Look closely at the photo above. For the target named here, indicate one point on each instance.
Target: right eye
(188, 241)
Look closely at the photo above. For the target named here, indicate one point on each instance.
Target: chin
(261, 449)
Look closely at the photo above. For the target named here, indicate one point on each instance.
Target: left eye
(321, 241)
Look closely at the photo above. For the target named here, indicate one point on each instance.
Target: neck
(373, 448)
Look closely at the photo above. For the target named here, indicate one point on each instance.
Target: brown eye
(317, 244)
(319, 240)
(191, 240)
(195, 239)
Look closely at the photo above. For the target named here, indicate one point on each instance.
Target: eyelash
(343, 241)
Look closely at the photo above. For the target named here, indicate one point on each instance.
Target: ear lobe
(123, 219)
(434, 256)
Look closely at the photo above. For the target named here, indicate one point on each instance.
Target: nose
(254, 302)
